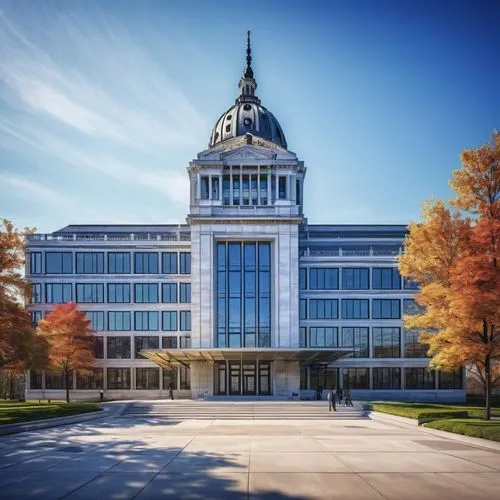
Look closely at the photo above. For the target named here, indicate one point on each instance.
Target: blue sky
(103, 104)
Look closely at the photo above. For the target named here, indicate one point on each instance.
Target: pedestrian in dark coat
(331, 399)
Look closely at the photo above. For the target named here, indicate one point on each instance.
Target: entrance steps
(240, 410)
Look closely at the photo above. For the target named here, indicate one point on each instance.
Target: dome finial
(248, 70)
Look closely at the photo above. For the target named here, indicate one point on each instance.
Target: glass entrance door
(264, 378)
(249, 380)
(235, 379)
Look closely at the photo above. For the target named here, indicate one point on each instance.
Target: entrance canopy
(167, 358)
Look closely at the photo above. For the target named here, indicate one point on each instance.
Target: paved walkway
(149, 458)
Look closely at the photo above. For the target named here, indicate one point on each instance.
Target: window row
(325, 377)
(115, 293)
(121, 347)
(353, 278)
(117, 262)
(357, 308)
(117, 378)
(121, 321)
(386, 341)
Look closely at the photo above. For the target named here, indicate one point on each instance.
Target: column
(258, 184)
(198, 187)
(230, 185)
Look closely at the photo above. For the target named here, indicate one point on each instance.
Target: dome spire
(248, 71)
(247, 84)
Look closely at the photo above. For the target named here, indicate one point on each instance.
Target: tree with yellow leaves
(453, 254)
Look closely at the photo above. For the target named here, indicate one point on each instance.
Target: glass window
(145, 293)
(413, 347)
(302, 336)
(118, 378)
(410, 284)
(185, 261)
(36, 293)
(323, 309)
(118, 263)
(169, 293)
(169, 378)
(419, 378)
(35, 259)
(58, 293)
(147, 378)
(412, 307)
(243, 315)
(386, 278)
(215, 188)
(303, 278)
(36, 316)
(118, 347)
(386, 342)
(356, 378)
(185, 292)
(387, 378)
(118, 293)
(58, 262)
(302, 309)
(169, 342)
(323, 336)
(169, 321)
(169, 262)
(145, 343)
(386, 309)
(323, 278)
(145, 262)
(119, 321)
(451, 380)
(185, 342)
(185, 378)
(323, 377)
(282, 187)
(35, 379)
(358, 339)
(93, 380)
(90, 292)
(355, 309)
(204, 187)
(98, 346)
(55, 380)
(146, 320)
(89, 262)
(185, 321)
(96, 319)
(354, 278)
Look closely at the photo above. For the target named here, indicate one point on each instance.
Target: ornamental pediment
(249, 153)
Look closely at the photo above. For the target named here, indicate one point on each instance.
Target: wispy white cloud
(34, 190)
(108, 108)
(110, 88)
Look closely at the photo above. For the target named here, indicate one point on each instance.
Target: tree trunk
(487, 376)
(66, 377)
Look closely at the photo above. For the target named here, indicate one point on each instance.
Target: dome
(247, 116)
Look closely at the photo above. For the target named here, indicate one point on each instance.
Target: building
(247, 298)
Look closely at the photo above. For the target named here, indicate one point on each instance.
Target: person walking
(348, 400)
(340, 394)
(331, 399)
(171, 391)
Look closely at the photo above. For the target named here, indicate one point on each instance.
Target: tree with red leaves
(70, 341)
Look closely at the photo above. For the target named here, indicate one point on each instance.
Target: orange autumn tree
(453, 254)
(70, 341)
(17, 335)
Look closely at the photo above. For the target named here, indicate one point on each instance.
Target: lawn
(468, 427)
(12, 412)
(427, 411)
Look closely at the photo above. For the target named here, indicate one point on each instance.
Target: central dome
(247, 116)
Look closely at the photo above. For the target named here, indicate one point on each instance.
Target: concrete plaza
(146, 458)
